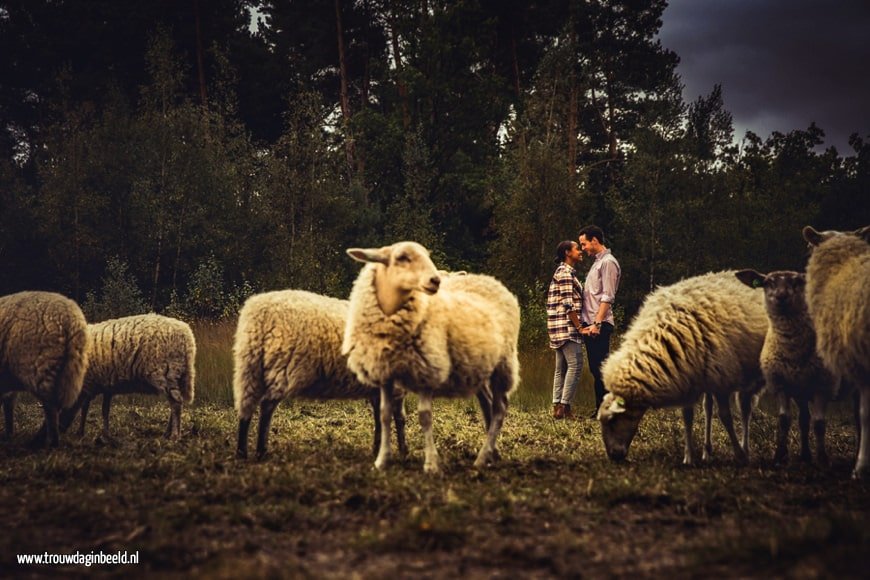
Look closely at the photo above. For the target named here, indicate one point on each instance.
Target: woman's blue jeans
(569, 365)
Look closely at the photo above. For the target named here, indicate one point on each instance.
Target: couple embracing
(580, 313)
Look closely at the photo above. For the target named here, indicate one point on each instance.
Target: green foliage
(208, 296)
(119, 294)
(533, 313)
(489, 131)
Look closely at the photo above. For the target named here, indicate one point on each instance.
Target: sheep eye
(403, 258)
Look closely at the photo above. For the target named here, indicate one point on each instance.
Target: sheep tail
(188, 378)
(75, 364)
(248, 380)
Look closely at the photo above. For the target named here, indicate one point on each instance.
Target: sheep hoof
(823, 460)
(780, 458)
(380, 464)
(432, 468)
(106, 440)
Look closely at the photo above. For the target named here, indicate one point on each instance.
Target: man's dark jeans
(597, 349)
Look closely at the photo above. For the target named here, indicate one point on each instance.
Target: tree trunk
(400, 81)
(201, 70)
(345, 99)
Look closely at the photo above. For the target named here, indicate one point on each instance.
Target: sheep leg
(856, 410)
(861, 466)
(708, 427)
(489, 450)
(724, 409)
(399, 418)
(9, 414)
(386, 417)
(173, 430)
(242, 446)
(817, 412)
(804, 423)
(430, 453)
(106, 437)
(86, 405)
(484, 397)
(48, 431)
(67, 416)
(267, 409)
(745, 400)
(375, 402)
(780, 456)
(688, 421)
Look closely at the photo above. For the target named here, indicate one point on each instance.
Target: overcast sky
(782, 64)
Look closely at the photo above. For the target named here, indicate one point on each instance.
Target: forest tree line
(170, 146)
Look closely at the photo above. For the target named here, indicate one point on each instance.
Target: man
(602, 282)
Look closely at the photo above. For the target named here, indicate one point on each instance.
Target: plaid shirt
(565, 295)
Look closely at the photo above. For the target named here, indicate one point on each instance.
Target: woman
(564, 303)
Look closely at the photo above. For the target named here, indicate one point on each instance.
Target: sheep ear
(812, 236)
(863, 233)
(751, 278)
(381, 256)
(610, 406)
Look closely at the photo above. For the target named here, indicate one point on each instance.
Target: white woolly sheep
(288, 343)
(43, 350)
(702, 335)
(148, 354)
(436, 336)
(789, 363)
(838, 300)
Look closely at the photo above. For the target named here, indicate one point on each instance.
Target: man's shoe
(558, 411)
(566, 412)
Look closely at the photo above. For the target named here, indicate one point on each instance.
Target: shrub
(119, 294)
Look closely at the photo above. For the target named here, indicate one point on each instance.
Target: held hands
(591, 330)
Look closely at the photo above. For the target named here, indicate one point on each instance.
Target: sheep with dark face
(792, 369)
(700, 336)
(838, 301)
(43, 350)
(434, 336)
(288, 344)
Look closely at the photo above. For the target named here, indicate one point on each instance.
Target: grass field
(553, 507)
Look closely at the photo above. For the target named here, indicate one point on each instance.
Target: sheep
(789, 363)
(288, 343)
(702, 335)
(838, 300)
(147, 353)
(436, 336)
(43, 350)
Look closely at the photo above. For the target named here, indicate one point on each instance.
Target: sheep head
(402, 270)
(815, 238)
(784, 291)
(619, 423)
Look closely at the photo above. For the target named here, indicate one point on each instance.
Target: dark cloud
(782, 64)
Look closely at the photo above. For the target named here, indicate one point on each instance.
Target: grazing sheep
(789, 363)
(288, 343)
(44, 350)
(838, 300)
(454, 338)
(149, 354)
(702, 335)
